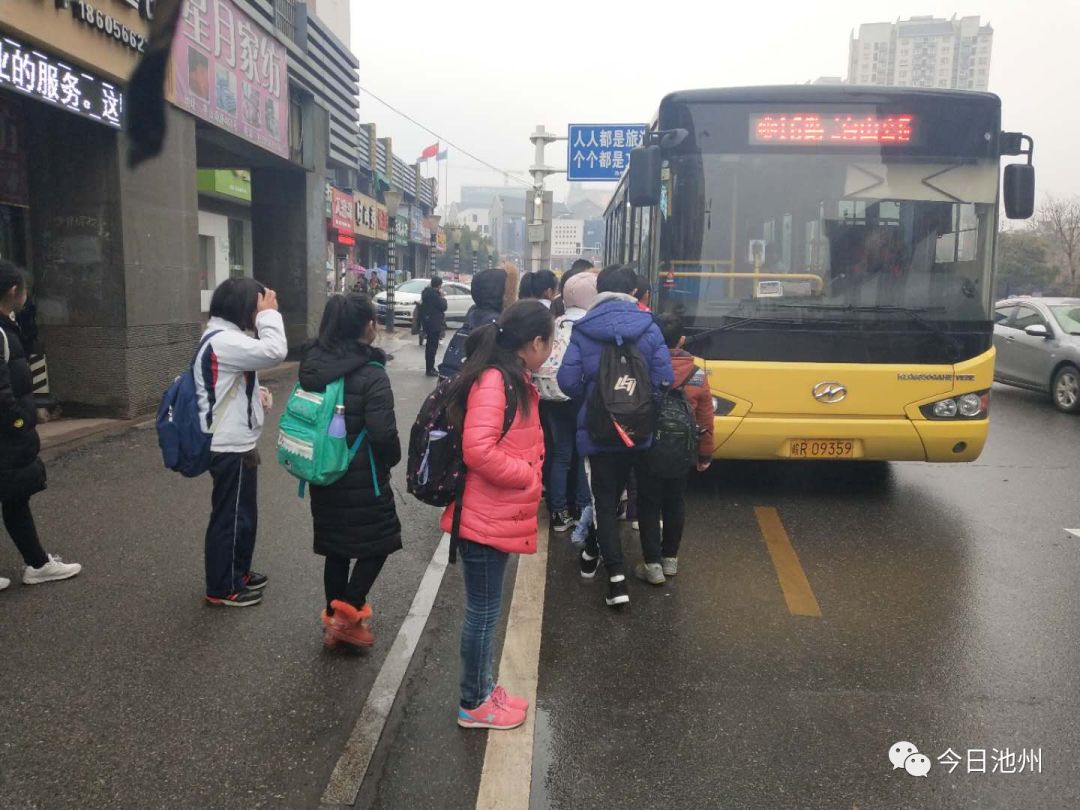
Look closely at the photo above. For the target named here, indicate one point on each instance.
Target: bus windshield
(810, 240)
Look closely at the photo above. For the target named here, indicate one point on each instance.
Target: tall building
(922, 52)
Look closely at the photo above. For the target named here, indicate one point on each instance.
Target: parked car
(407, 296)
(1038, 347)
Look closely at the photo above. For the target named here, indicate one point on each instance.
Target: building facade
(261, 109)
(926, 52)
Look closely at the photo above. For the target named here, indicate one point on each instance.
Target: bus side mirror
(645, 176)
(1019, 191)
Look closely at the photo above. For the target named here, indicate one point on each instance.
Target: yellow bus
(829, 251)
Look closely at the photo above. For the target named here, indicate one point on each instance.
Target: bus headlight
(970, 405)
(966, 406)
(722, 406)
(946, 409)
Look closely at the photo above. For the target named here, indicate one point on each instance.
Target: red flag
(430, 152)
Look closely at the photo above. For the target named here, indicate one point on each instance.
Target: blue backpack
(185, 446)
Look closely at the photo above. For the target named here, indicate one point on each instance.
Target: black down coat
(350, 519)
(21, 472)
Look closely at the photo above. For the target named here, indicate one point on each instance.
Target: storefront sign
(235, 183)
(229, 71)
(401, 225)
(105, 23)
(418, 230)
(368, 215)
(14, 185)
(46, 78)
(341, 216)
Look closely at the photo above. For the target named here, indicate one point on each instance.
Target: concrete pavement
(948, 616)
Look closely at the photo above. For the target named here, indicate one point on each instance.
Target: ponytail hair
(344, 320)
(496, 345)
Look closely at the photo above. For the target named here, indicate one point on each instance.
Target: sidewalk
(66, 433)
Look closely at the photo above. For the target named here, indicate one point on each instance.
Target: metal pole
(434, 244)
(475, 262)
(457, 256)
(391, 273)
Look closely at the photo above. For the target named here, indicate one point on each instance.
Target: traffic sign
(601, 152)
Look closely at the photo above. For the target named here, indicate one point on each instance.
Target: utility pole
(538, 208)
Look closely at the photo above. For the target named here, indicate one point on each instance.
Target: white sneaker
(4, 583)
(53, 570)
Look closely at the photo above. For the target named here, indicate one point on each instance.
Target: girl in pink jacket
(502, 491)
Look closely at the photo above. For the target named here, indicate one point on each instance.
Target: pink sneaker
(492, 713)
(508, 700)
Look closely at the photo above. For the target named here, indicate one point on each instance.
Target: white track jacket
(227, 382)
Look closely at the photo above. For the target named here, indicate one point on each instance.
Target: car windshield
(416, 286)
(1068, 317)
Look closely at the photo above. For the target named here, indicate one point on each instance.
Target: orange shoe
(328, 639)
(349, 625)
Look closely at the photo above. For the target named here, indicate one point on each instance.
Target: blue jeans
(562, 425)
(483, 568)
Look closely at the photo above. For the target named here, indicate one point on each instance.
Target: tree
(1023, 264)
(1059, 221)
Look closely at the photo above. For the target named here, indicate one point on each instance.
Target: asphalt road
(822, 613)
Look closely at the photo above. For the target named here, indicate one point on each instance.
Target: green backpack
(305, 446)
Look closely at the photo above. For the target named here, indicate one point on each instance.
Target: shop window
(296, 129)
(206, 262)
(237, 249)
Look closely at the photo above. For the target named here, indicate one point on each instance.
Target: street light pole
(457, 254)
(434, 220)
(392, 198)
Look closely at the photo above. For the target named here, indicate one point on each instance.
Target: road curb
(52, 448)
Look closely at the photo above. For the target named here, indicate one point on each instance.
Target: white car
(407, 296)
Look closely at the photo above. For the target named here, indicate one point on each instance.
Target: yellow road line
(506, 780)
(793, 582)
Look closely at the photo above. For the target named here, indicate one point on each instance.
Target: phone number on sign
(108, 25)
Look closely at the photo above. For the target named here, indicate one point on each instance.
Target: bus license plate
(822, 448)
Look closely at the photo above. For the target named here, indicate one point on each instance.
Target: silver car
(1038, 347)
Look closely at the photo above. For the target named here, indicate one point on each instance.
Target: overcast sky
(481, 76)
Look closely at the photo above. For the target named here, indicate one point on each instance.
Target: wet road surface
(946, 616)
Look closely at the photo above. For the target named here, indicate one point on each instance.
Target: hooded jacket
(20, 471)
(432, 311)
(503, 473)
(350, 520)
(227, 380)
(613, 317)
(696, 386)
(489, 290)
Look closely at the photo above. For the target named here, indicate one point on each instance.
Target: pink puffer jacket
(502, 483)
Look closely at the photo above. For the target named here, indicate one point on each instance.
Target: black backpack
(435, 472)
(675, 439)
(620, 410)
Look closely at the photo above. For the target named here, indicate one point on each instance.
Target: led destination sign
(831, 129)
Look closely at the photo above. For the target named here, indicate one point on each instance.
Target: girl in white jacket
(231, 406)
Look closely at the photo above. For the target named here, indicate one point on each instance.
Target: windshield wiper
(914, 314)
(741, 322)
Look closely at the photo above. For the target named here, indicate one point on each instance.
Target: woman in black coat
(351, 521)
(22, 475)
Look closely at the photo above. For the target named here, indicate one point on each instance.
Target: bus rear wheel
(1065, 389)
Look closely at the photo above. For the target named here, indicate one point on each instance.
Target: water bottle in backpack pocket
(312, 443)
